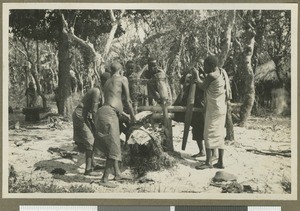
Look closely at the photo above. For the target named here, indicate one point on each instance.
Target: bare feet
(91, 173)
(219, 165)
(204, 166)
(200, 154)
(122, 177)
(107, 184)
(98, 167)
(88, 172)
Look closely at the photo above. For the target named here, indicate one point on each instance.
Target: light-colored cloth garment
(215, 116)
(107, 136)
(82, 130)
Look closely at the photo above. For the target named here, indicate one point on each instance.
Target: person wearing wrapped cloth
(197, 122)
(218, 92)
(83, 125)
(107, 138)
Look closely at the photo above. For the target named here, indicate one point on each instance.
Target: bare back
(113, 92)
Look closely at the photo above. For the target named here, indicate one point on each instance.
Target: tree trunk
(248, 77)
(64, 78)
(115, 22)
(229, 123)
(225, 47)
(37, 82)
(33, 69)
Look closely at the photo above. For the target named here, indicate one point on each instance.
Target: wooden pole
(26, 84)
(168, 127)
(188, 114)
(172, 109)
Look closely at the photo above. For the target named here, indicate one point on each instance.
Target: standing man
(197, 122)
(130, 68)
(157, 83)
(84, 127)
(31, 95)
(217, 90)
(107, 122)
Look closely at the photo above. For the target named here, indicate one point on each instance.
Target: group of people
(212, 95)
(96, 119)
(217, 94)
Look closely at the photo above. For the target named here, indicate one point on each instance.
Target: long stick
(170, 109)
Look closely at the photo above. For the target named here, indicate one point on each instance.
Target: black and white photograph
(150, 101)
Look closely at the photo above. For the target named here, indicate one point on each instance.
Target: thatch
(266, 72)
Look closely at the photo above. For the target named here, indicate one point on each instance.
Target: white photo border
(293, 7)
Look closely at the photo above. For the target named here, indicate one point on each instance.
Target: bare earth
(266, 174)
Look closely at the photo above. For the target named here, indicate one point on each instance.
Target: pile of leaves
(150, 155)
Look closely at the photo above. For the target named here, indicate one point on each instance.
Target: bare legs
(210, 154)
(201, 149)
(89, 161)
(220, 164)
(112, 164)
(213, 155)
(202, 153)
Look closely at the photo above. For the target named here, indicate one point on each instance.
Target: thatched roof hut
(265, 72)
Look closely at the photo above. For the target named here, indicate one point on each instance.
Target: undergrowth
(21, 185)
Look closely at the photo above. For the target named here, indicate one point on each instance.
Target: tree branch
(112, 16)
(115, 23)
(225, 45)
(18, 49)
(27, 51)
(239, 44)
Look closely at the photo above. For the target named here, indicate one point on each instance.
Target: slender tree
(246, 45)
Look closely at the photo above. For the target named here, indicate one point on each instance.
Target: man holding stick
(217, 89)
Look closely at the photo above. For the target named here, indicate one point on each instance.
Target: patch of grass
(27, 186)
(80, 189)
(21, 185)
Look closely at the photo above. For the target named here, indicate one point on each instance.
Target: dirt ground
(259, 158)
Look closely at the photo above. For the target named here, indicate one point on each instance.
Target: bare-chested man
(107, 122)
(83, 125)
(158, 90)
